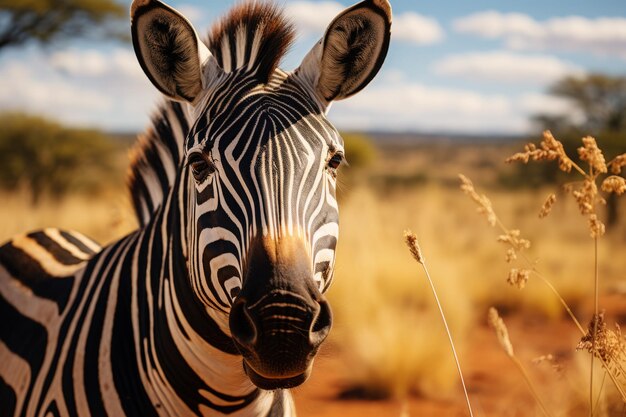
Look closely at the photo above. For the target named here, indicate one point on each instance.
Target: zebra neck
(188, 361)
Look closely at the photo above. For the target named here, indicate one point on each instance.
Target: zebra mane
(253, 34)
(155, 158)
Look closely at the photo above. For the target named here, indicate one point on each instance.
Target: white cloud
(543, 103)
(505, 66)
(537, 103)
(119, 99)
(23, 87)
(414, 28)
(398, 104)
(600, 36)
(414, 106)
(312, 18)
(94, 63)
(493, 24)
(80, 63)
(88, 88)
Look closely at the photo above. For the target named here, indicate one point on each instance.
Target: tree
(600, 98)
(600, 101)
(49, 159)
(43, 21)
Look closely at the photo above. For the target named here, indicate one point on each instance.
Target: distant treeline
(45, 158)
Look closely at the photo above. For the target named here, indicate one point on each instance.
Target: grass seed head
(512, 237)
(501, 331)
(596, 227)
(484, 204)
(592, 154)
(511, 255)
(608, 345)
(614, 184)
(411, 241)
(586, 196)
(547, 206)
(518, 277)
(554, 150)
(529, 150)
(550, 149)
(617, 163)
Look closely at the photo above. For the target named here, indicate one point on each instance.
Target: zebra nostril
(242, 325)
(320, 327)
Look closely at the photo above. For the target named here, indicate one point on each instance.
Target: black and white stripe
(235, 195)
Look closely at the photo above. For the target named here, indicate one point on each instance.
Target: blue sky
(471, 67)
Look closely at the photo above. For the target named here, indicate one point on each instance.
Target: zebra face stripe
(262, 162)
(269, 147)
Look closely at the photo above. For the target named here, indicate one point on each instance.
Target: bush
(45, 157)
(360, 151)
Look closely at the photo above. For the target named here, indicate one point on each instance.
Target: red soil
(495, 385)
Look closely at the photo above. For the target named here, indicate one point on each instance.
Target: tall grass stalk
(569, 311)
(571, 314)
(486, 208)
(595, 323)
(556, 293)
(587, 198)
(411, 241)
(547, 282)
(595, 409)
(530, 384)
(496, 322)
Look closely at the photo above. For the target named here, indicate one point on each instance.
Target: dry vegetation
(104, 218)
(387, 322)
(388, 332)
(393, 306)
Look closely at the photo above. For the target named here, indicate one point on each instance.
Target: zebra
(215, 305)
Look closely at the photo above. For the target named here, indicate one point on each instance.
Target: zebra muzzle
(278, 337)
(276, 383)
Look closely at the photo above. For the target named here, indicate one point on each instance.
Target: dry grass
(496, 322)
(608, 346)
(387, 324)
(414, 248)
(388, 330)
(103, 218)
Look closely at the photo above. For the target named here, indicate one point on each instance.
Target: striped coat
(215, 305)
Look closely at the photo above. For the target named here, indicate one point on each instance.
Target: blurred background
(465, 85)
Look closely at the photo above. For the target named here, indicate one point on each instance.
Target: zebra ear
(351, 52)
(169, 50)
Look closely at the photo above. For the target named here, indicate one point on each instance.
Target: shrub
(360, 151)
(47, 158)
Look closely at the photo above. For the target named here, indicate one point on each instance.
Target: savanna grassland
(388, 353)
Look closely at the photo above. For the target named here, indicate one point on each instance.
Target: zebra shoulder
(54, 252)
(37, 275)
(43, 264)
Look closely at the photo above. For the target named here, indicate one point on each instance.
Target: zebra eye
(201, 168)
(335, 161)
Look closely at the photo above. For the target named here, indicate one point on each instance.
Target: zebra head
(260, 163)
